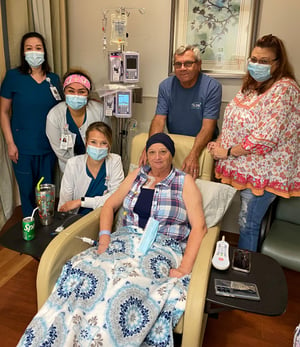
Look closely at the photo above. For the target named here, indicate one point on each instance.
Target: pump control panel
(118, 104)
(123, 67)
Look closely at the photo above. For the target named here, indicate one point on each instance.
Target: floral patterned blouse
(268, 126)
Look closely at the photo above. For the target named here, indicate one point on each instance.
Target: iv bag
(118, 28)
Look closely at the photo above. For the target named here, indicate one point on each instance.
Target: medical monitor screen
(131, 63)
(123, 99)
(123, 104)
(131, 67)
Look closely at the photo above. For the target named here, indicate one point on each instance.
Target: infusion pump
(118, 103)
(123, 67)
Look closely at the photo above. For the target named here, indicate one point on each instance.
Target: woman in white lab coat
(68, 121)
(89, 179)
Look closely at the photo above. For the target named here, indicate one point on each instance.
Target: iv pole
(119, 19)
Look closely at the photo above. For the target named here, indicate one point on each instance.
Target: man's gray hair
(182, 49)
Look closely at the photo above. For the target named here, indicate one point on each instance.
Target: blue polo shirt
(185, 108)
(31, 102)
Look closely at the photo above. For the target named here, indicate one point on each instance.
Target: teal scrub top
(31, 102)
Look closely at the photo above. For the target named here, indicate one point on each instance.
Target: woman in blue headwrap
(132, 289)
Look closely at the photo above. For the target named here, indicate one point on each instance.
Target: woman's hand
(219, 152)
(211, 146)
(103, 243)
(70, 205)
(178, 273)
(13, 152)
(216, 150)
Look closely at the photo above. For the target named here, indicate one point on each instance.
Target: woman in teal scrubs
(28, 92)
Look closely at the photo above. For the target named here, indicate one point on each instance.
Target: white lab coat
(75, 181)
(56, 121)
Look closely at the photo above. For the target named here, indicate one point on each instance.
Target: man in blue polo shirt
(189, 104)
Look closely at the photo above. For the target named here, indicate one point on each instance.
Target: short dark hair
(25, 68)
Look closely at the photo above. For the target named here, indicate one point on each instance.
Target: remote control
(220, 259)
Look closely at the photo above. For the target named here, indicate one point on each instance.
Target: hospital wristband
(104, 232)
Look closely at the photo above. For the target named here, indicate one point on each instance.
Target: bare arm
(111, 205)
(193, 202)
(5, 115)
(157, 126)
(191, 162)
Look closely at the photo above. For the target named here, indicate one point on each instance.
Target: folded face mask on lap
(149, 235)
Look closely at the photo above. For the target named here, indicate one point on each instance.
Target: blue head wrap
(161, 138)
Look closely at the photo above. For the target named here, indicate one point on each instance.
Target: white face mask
(34, 59)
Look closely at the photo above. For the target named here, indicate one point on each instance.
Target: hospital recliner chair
(65, 245)
(281, 235)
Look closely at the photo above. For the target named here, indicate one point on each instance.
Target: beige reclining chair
(65, 245)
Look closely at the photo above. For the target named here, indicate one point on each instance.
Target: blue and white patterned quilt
(118, 298)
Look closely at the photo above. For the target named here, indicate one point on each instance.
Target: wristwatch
(82, 201)
(228, 153)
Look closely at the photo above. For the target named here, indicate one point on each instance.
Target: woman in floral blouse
(258, 150)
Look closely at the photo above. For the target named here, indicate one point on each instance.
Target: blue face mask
(97, 153)
(34, 59)
(76, 102)
(260, 72)
(149, 235)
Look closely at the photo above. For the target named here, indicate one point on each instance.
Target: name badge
(66, 141)
(55, 93)
(54, 90)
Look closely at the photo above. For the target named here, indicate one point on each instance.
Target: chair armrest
(62, 248)
(194, 319)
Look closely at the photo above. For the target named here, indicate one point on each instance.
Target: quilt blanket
(119, 298)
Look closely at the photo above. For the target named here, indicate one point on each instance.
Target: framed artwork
(224, 31)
